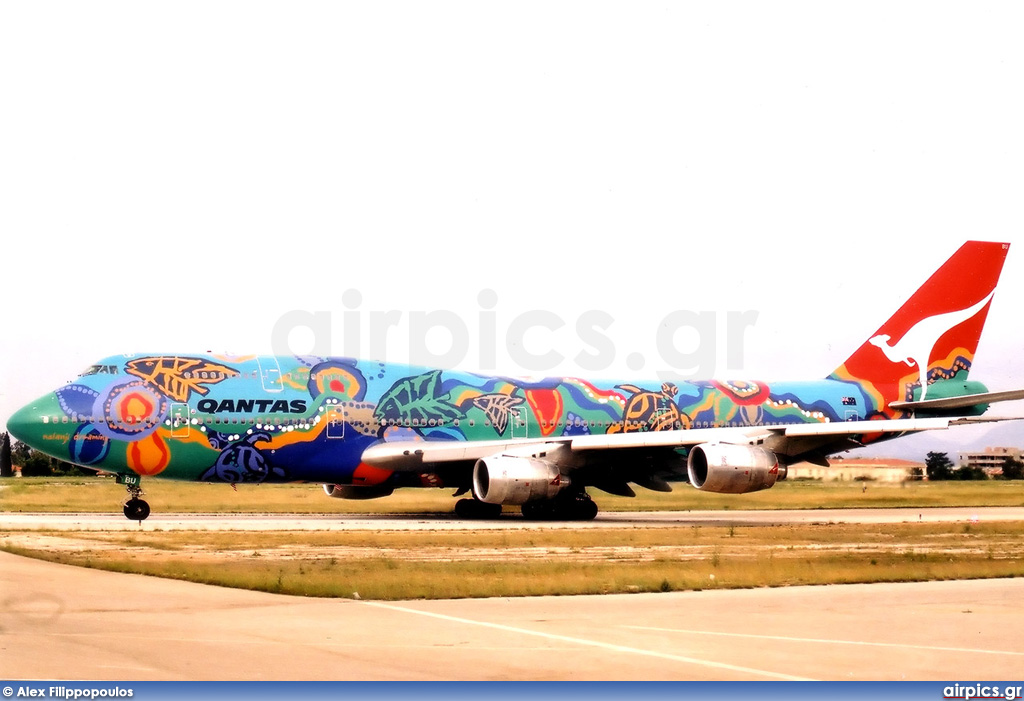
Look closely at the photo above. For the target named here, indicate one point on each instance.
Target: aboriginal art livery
(364, 428)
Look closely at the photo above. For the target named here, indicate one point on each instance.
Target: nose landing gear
(135, 509)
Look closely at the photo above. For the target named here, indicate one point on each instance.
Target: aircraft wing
(801, 441)
(410, 455)
(967, 400)
(791, 442)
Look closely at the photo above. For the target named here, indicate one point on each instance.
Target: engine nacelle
(509, 479)
(342, 491)
(732, 469)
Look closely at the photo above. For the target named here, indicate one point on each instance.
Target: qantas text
(262, 406)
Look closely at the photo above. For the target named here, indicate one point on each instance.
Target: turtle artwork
(648, 410)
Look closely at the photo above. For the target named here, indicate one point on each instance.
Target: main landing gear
(575, 506)
(135, 509)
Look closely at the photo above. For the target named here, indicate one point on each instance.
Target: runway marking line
(591, 643)
(784, 638)
(255, 641)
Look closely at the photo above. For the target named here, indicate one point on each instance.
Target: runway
(62, 622)
(393, 522)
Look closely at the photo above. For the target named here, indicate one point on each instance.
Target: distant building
(854, 469)
(991, 459)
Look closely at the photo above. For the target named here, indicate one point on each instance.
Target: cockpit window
(100, 370)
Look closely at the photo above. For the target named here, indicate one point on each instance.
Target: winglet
(934, 335)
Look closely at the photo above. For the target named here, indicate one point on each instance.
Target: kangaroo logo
(917, 344)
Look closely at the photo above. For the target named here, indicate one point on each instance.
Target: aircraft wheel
(574, 508)
(586, 510)
(471, 508)
(464, 508)
(531, 510)
(538, 511)
(136, 510)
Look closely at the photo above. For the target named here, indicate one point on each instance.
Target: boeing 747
(365, 428)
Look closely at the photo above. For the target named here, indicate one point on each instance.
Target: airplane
(365, 428)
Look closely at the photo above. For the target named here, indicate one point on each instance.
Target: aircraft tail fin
(934, 335)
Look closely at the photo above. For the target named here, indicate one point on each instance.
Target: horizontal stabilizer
(966, 400)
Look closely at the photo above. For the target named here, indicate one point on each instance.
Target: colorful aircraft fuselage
(255, 419)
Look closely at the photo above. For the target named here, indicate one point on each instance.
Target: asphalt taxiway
(400, 522)
(63, 622)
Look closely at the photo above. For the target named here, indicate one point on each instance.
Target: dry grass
(480, 564)
(447, 564)
(95, 494)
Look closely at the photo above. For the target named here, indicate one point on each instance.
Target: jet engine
(340, 491)
(732, 469)
(510, 479)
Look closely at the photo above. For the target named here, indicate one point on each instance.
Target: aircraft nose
(27, 425)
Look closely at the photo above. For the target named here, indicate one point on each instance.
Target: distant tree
(967, 473)
(938, 466)
(32, 462)
(6, 466)
(36, 464)
(1013, 469)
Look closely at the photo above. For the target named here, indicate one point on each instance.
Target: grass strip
(101, 495)
(390, 566)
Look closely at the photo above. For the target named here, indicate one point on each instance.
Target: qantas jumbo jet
(365, 428)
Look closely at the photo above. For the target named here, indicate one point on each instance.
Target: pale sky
(177, 177)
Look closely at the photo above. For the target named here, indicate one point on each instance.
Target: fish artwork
(498, 408)
(179, 377)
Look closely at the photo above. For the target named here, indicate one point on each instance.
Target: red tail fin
(935, 334)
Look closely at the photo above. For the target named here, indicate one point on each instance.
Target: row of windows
(129, 420)
(303, 376)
